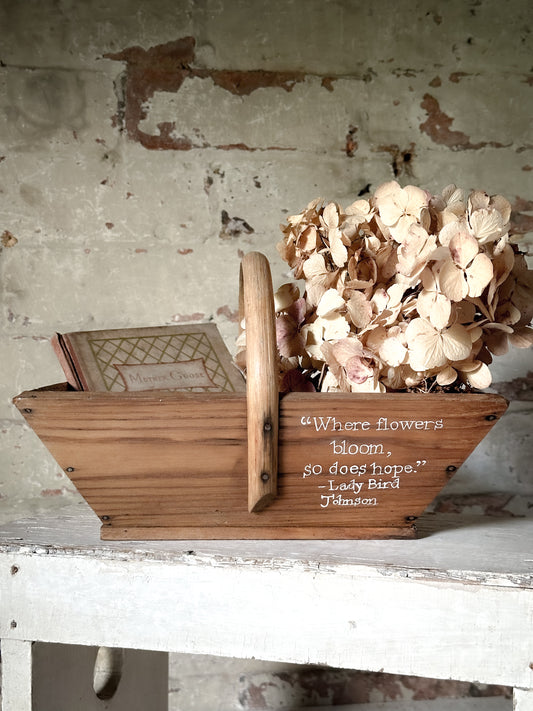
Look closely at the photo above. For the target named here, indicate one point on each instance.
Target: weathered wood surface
(165, 465)
(460, 599)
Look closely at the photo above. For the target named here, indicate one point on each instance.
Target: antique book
(191, 358)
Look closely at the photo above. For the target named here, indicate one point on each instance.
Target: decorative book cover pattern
(191, 358)
(158, 350)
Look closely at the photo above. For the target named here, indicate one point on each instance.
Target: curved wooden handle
(256, 305)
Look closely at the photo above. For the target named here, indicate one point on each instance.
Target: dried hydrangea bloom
(319, 278)
(403, 290)
(416, 250)
(467, 271)
(432, 304)
(488, 218)
(430, 347)
(399, 208)
(359, 309)
(289, 337)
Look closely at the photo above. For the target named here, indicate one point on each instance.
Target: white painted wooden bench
(456, 603)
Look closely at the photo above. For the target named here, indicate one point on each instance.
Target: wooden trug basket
(174, 465)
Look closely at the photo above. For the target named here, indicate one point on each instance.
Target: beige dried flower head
(400, 208)
(403, 290)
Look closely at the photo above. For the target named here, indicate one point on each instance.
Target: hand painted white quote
(345, 482)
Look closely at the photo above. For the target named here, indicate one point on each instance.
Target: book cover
(191, 358)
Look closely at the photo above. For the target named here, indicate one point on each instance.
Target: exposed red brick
(109, 225)
(160, 68)
(457, 76)
(166, 140)
(235, 146)
(522, 204)
(8, 239)
(351, 144)
(435, 82)
(516, 389)
(521, 223)
(184, 251)
(438, 127)
(244, 147)
(225, 310)
(488, 504)
(243, 83)
(527, 168)
(51, 492)
(165, 67)
(327, 83)
(429, 689)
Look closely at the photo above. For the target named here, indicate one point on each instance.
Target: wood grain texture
(163, 464)
(256, 306)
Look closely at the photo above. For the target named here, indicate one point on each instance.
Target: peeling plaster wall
(144, 147)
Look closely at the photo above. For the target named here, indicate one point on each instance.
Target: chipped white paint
(16, 675)
(523, 700)
(456, 604)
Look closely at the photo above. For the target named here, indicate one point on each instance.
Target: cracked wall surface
(145, 147)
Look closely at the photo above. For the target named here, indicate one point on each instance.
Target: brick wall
(144, 147)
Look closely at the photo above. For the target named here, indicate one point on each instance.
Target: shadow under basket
(174, 465)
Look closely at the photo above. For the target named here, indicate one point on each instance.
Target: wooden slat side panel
(326, 533)
(347, 461)
(153, 454)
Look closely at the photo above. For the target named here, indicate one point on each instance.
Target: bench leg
(523, 699)
(16, 675)
(59, 677)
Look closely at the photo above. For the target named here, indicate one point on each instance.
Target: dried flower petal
(331, 301)
(401, 290)
(478, 274)
(522, 338)
(480, 378)
(452, 281)
(486, 226)
(331, 215)
(335, 326)
(446, 376)
(285, 296)
(338, 251)
(400, 207)
(430, 348)
(393, 352)
(359, 309)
